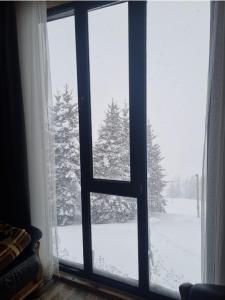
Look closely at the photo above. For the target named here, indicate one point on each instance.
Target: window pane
(108, 47)
(67, 148)
(178, 45)
(114, 236)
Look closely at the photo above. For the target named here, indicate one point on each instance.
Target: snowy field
(175, 246)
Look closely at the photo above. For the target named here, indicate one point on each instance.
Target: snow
(181, 206)
(175, 246)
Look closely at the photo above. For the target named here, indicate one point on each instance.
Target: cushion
(13, 241)
(18, 277)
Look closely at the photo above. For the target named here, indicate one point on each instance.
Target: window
(177, 66)
(129, 131)
(113, 227)
(67, 145)
(110, 40)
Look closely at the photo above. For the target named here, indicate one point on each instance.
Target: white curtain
(36, 88)
(213, 239)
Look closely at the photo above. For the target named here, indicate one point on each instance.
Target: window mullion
(81, 27)
(137, 86)
(118, 188)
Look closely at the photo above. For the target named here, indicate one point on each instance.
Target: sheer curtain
(36, 88)
(214, 166)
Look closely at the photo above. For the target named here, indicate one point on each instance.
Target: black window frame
(137, 186)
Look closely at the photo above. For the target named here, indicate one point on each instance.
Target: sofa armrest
(185, 289)
(36, 235)
(202, 292)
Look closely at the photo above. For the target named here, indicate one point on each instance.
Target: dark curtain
(14, 205)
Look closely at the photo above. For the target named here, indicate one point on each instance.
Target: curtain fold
(36, 88)
(213, 202)
(14, 205)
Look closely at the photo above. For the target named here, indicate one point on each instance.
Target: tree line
(111, 160)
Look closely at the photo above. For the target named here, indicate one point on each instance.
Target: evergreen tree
(67, 157)
(125, 143)
(155, 176)
(190, 188)
(111, 161)
(112, 209)
(182, 188)
(107, 150)
(174, 190)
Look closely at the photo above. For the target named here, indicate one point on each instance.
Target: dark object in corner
(202, 292)
(24, 274)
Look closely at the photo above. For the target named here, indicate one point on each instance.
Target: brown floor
(58, 290)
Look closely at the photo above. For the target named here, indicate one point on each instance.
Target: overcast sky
(177, 58)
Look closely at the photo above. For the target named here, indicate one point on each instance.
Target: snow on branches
(111, 160)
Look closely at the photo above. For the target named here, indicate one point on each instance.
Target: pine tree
(174, 189)
(67, 157)
(112, 209)
(155, 176)
(107, 150)
(190, 188)
(125, 143)
(111, 161)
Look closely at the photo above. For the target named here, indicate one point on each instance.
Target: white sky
(177, 58)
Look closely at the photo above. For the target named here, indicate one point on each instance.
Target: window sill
(109, 292)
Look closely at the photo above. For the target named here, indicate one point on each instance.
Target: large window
(67, 145)
(109, 75)
(177, 65)
(129, 86)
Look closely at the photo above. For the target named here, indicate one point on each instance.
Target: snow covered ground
(175, 246)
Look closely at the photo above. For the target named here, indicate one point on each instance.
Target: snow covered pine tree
(155, 176)
(112, 161)
(67, 158)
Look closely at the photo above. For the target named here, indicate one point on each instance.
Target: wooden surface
(29, 288)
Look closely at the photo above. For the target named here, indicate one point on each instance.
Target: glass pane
(114, 236)
(178, 49)
(108, 47)
(67, 148)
